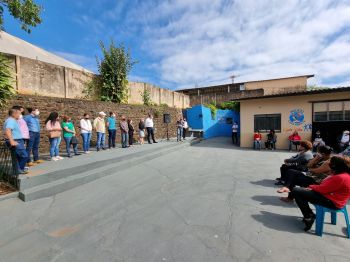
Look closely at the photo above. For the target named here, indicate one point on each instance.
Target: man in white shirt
(235, 133)
(86, 130)
(185, 127)
(149, 127)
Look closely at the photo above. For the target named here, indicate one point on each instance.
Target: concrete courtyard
(207, 202)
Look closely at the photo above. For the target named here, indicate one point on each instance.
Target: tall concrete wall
(34, 77)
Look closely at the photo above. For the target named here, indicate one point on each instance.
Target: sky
(188, 43)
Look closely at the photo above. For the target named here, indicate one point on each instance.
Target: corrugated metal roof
(10, 44)
(300, 93)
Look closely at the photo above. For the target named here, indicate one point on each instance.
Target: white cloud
(205, 41)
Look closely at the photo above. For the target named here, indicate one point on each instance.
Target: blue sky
(184, 43)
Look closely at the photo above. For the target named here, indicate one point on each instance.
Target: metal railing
(8, 165)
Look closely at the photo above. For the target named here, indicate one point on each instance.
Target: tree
(146, 97)
(114, 68)
(6, 81)
(26, 11)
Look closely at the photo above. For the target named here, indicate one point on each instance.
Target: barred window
(265, 123)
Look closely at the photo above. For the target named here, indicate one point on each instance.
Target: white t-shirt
(185, 125)
(85, 126)
(234, 128)
(149, 122)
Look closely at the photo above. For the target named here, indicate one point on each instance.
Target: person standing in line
(149, 127)
(69, 136)
(85, 132)
(24, 128)
(14, 140)
(54, 129)
(142, 131)
(33, 123)
(124, 129)
(185, 127)
(179, 125)
(234, 133)
(131, 132)
(112, 129)
(100, 127)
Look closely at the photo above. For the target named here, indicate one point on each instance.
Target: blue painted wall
(199, 117)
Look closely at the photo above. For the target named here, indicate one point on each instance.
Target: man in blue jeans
(15, 141)
(112, 129)
(33, 124)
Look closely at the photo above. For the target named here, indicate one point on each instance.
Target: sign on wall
(296, 117)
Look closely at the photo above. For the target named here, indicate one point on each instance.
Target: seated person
(318, 141)
(298, 162)
(343, 141)
(294, 139)
(271, 140)
(257, 140)
(318, 169)
(333, 192)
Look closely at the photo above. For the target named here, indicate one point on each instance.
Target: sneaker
(59, 157)
(55, 158)
(88, 152)
(39, 161)
(77, 154)
(30, 164)
(308, 223)
(69, 156)
(23, 172)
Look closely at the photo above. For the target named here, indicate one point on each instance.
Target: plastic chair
(320, 213)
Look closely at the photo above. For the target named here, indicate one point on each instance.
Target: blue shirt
(33, 123)
(112, 123)
(12, 124)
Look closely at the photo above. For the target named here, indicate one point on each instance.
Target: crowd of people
(321, 178)
(22, 134)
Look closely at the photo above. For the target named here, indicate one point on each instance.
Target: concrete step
(59, 181)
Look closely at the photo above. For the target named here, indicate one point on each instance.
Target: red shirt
(294, 138)
(336, 188)
(257, 136)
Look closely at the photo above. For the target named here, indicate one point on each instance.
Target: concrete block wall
(76, 108)
(34, 77)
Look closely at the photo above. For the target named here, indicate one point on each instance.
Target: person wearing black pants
(149, 127)
(333, 192)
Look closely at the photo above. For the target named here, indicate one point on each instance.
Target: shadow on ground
(280, 222)
(271, 201)
(265, 183)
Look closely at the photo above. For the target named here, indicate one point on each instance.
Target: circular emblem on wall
(296, 117)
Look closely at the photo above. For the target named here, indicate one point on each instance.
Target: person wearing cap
(100, 127)
(343, 140)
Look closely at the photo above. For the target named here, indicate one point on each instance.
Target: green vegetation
(146, 97)
(6, 80)
(26, 11)
(113, 69)
(230, 105)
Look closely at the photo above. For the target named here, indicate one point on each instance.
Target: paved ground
(207, 202)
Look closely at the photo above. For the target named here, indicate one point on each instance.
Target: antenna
(233, 78)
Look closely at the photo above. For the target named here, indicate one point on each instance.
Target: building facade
(306, 112)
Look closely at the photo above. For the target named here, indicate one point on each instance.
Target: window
(264, 123)
(331, 111)
(241, 87)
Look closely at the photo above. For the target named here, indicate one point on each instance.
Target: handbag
(74, 140)
(54, 134)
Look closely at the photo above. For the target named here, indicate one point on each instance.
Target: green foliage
(26, 11)
(230, 105)
(92, 89)
(213, 109)
(146, 97)
(6, 80)
(114, 68)
(164, 105)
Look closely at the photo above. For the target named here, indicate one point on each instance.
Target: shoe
(308, 223)
(30, 164)
(77, 154)
(155, 142)
(55, 158)
(150, 143)
(279, 183)
(278, 179)
(103, 148)
(69, 156)
(87, 152)
(59, 157)
(23, 172)
(39, 161)
(26, 168)
(98, 149)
